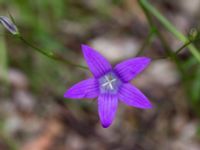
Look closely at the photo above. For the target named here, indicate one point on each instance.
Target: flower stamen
(109, 82)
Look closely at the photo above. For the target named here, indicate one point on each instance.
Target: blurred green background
(35, 116)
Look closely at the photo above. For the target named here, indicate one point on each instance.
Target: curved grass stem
(148, 7)
(51, 55)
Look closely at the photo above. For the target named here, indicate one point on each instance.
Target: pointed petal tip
(149, 59)
(105, 125)
(85, 47)
(146, 60)
(147, 106)
(144, 106)
(70, 95)
(87, 50)
(67, 94)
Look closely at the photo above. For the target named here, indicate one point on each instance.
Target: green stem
(145, 4)
(168, 50)
(51, 54)
(182, 47)
(185, 45)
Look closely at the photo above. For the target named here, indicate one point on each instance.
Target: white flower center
(109, 83)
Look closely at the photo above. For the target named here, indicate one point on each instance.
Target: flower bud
(193, 34)
(9, 25)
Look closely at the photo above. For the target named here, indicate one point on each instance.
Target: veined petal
(84, 89)
(107, 107)
(132, 96)
(130, 68)
(97, 64)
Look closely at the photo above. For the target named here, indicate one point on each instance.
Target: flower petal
(97, 64)
(132, 96)
(130, 68)
(107, 106)
(84, 89)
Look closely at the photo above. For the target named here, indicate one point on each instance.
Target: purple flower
(110, 84)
